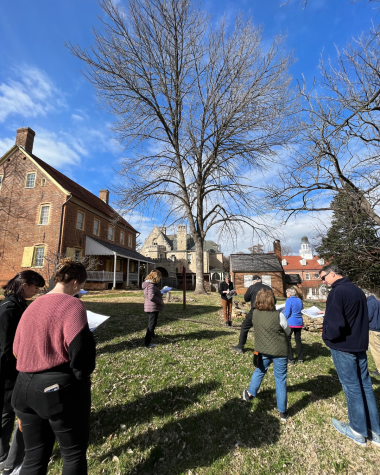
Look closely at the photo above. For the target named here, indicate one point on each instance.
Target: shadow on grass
(163, 340)
(313, 351)
(188, 442)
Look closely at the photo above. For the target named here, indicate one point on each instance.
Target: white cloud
(5, 145)
(30, 93)
(77, 117)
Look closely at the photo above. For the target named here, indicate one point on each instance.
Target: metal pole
(128, 273)
(138, 274)
(184, 286)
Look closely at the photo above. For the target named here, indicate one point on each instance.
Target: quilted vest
(270, 338)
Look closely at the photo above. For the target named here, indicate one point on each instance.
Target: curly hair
(155, 276)
(68, 270)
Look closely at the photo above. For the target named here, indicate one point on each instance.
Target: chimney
(182, 238)
(163, 230)
(277, 249)
(25, 138)
(104, 195)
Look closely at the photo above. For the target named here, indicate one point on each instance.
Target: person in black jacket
(22, 287)
(250, 296)
(226, 288)
(345, 332)
(373, 306)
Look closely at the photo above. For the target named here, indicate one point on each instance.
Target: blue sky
(41, 85)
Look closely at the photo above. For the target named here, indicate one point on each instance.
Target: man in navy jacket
(345, 332)
(374, 330)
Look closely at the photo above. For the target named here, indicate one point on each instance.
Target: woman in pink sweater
(152, 305)
(55, 353)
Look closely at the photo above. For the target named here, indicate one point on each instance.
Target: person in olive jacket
(22, 287)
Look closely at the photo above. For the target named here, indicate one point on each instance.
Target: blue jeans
(352, 369)
(280, 367)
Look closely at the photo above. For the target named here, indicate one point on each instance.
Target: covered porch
(119, 267)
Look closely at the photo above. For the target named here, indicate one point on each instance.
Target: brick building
(268, 266)
(172, 252)
(306, 266)
(44, 214)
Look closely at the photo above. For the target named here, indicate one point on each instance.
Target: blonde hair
(265, 300)
(155, 276)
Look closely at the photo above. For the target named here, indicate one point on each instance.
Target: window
(173, 257)
(111, 232)
(316, 276)
(307, 276)
(39, 256)
(30, 180)
(284, 263)
(160, 256)
(267, 280)
(80, 220)
(96, 227)
(44, 214)
(77, 254)
(121, 237)
(1, 180)
(43, 181)
(189, 258)
(314, 291)
(130, 241)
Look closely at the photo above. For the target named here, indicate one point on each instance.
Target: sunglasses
(323, 277)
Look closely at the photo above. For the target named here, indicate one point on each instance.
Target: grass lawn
(177, 409)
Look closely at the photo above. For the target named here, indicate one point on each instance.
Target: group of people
(351, 323)
(47, 354)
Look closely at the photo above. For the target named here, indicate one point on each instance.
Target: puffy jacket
(292, 312)
(373, 313)
(346, 325)
(153, 297)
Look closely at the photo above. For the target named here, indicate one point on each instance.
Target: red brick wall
(276, 278)
(19, 214)
(73, 237)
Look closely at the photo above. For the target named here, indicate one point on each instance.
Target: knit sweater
(53, 331)
(270, 334)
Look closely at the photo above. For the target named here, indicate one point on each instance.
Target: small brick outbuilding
(244, 266)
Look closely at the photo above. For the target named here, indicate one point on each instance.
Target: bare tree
(203, 108)
(340, 142)
(256, 249)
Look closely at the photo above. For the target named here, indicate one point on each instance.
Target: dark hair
(68, 270)
(265, 300)
(332, 268)
(14, 286)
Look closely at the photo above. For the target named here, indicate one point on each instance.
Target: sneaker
(300, 361)
(227, 324)
(246, 395)
(375, 373)
(230, 323)
(374, 438)
(284, 416)
(238, 349)
(3, 462)
(290, 361)
(345, 429)
(152, 345)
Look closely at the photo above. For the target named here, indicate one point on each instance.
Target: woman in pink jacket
(152, 305)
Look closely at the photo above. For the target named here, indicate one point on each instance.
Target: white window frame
(36, 249)
(43, 181)
(112, 238)
(41, 215)
(267, 280)
(93, 230)
(84, 217)
(27, 179)
(307, 276)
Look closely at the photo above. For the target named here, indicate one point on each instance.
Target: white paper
(230, 294)
(280, 307)
(165, 290)
(313, 312)
(94, 319)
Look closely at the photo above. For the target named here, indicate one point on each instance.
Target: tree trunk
(199, 286)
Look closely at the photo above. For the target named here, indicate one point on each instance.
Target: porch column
(138, 274)
(114, 270)
(192, 280)
(128, 273)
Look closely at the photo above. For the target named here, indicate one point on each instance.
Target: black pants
(63, 415)
(297, 337)
(152, 322)
(7, 420)
(244, 329)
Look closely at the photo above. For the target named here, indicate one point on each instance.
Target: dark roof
(122, 251)
(79, 192)
(255, 263)
(293, 279)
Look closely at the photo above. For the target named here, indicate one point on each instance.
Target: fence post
(184, 286)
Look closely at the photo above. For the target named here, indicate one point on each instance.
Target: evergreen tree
(353, 243)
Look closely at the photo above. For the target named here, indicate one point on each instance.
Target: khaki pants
(374, 344)
(227, 308)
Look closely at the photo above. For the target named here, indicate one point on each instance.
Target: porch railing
(103, 276)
